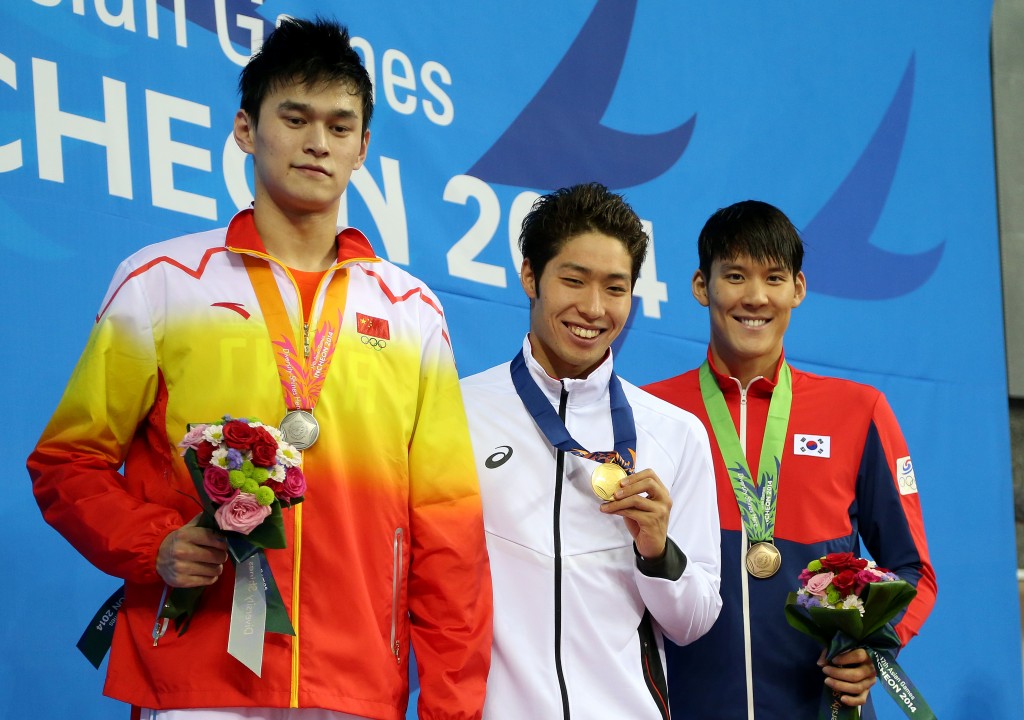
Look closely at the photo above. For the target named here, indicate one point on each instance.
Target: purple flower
(808, 601)
(235, 459)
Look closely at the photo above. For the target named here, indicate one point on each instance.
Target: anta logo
(236, 306)
(499, 457)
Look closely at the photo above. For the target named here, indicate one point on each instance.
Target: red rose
(837, 562)
(845, 581)
(238, 435)
(204, 452)
(264, 448)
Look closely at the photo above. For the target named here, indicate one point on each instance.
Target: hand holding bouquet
(244, 473)
(845, 602)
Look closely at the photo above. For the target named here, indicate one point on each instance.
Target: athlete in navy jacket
(845, 477)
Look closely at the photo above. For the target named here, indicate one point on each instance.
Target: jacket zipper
(748, 669)
(559, 470)
(396, 591)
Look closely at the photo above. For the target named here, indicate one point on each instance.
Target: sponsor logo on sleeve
(812, 445)
(905, 479)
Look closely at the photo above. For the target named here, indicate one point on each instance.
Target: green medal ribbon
(756, 503)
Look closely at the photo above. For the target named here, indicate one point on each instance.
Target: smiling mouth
(753, 322)
(583, 332)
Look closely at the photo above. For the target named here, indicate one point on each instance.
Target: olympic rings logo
(375, 343)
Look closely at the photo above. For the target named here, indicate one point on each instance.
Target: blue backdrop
(868, 123)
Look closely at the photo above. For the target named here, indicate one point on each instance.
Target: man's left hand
(644, 503)
(850, 674)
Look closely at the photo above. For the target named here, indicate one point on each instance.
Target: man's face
(305, 147)
(750, 304)
(579, 305)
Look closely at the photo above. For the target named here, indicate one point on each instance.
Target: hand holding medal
(644, 505)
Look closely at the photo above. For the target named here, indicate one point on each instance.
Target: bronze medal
(606, 480)
(300, 429)
(763, 560)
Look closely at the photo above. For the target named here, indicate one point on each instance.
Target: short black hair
(311, 52)
(753, 228)
(560, 216)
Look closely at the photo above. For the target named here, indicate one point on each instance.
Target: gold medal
(606, 480)
(299, 429)
(763, 560)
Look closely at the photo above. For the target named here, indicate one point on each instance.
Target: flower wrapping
(845, 602)
(244, 473)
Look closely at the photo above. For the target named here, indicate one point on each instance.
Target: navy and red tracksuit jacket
(846, 478)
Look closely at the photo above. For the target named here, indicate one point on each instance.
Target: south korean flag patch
(811, 445)
(905, 479)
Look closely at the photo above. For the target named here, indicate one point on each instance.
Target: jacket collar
(758, 386)
(581, 390)
(243, 236)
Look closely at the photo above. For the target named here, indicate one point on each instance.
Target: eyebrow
(778, 267)
(294, 105)
(585, 270)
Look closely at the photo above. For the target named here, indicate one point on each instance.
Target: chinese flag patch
(372, 326)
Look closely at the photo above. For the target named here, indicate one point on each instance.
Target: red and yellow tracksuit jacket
(388, 545)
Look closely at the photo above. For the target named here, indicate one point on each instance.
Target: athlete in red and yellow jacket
(389, 540)
(386, 554)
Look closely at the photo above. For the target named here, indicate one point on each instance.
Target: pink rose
(818, 585)
(241, 513)
(217, 485)
(864, 577)
(193, 437)
(294, 484)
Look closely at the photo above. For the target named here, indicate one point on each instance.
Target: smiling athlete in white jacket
(599, 500)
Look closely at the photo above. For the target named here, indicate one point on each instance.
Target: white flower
(288, 455)
(220, 457)
(214, 434)
(852, 601)
(278, 473)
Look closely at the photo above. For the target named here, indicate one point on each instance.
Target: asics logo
(499, 458)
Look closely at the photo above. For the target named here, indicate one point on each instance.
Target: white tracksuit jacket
(569, 590)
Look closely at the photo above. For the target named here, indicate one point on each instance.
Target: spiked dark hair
(311, 52)
(560, 216)
(753, 228)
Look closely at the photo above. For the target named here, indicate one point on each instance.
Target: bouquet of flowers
(244, 472)
(845, 602)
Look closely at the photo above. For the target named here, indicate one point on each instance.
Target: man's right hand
(191, 556)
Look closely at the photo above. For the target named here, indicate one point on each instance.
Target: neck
(300, 241)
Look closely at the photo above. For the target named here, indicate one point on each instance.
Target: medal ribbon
(756, 503)
(536, 403)
(302, 374)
